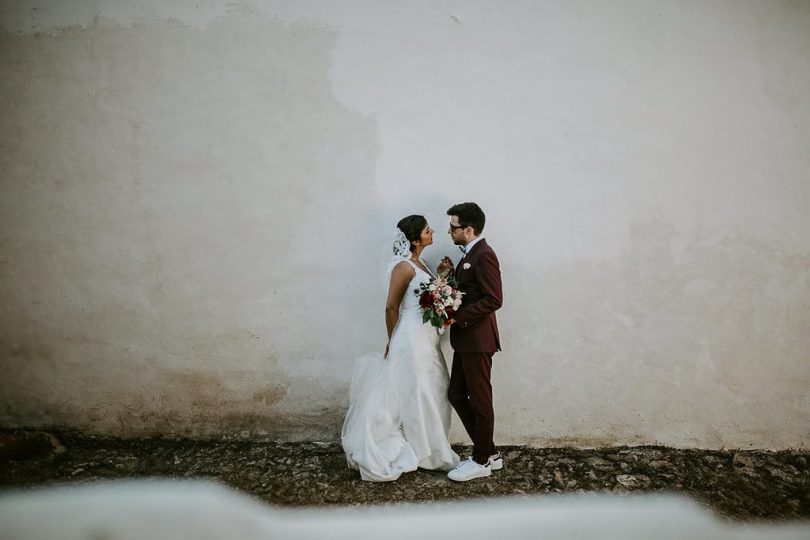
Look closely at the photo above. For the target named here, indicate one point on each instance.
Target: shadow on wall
(173, 186)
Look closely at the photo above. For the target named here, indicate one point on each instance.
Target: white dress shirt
(469, 246)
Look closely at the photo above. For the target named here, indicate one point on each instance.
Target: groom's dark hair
(469, 214)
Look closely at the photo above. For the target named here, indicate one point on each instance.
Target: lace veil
(401, 252)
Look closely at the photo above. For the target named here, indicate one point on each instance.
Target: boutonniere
(466, 266)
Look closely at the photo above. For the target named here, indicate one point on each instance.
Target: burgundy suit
(475, 339)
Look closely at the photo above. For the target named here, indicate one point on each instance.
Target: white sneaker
(496, 462)
(468, 470)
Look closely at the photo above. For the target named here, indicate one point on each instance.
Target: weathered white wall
(196, 198)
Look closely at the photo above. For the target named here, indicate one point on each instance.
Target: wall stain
(168, 306)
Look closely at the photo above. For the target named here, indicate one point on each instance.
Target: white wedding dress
(399, 416)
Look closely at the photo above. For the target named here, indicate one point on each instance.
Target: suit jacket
(476, 328)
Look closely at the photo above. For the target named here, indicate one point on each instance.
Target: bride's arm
(400, 278)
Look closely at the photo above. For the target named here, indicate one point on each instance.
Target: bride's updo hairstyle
(412, 226)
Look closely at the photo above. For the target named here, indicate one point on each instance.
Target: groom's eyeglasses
(454, 227)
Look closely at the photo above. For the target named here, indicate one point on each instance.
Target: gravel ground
(738, 485)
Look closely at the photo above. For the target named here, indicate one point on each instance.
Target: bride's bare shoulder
(403, 268)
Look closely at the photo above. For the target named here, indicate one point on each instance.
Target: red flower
(425, 300)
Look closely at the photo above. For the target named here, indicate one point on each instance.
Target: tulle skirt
(399, 417)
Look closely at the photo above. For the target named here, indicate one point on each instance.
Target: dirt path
(740, 485)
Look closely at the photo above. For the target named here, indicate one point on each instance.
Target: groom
(474, 337)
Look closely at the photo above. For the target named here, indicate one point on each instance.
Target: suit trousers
(470, 394)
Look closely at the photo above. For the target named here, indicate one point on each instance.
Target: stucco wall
(196, 199)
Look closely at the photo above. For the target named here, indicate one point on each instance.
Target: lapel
(468, 258)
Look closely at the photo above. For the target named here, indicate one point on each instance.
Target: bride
(399, 416)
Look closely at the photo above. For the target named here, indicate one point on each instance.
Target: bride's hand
(445, 267)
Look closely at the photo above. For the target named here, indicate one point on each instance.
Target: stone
(782, 475)
(632, 481)
(742, 460)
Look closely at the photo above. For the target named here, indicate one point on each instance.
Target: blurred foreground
(166, 509)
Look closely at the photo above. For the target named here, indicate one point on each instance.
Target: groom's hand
(445, 267)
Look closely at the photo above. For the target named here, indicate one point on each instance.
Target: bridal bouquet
(439, 299)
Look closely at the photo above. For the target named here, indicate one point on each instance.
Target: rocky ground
(739, 485)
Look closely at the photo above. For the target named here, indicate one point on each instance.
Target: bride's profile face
(427, 236)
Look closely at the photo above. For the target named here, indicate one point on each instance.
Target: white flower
(432, 287)
(466, 266)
